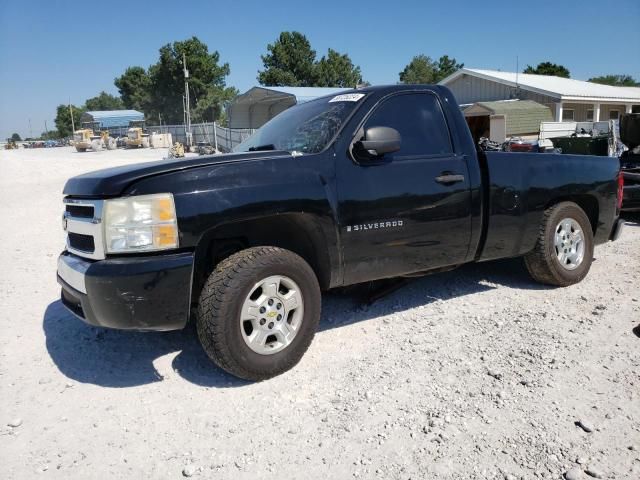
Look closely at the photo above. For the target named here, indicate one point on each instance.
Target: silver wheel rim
(271, 314)
(569, 243)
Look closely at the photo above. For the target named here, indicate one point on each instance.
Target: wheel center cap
(274, 311)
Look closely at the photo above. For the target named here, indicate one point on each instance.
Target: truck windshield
(304, 128)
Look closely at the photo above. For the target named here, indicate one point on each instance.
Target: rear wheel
(564, 250)
(258, 312)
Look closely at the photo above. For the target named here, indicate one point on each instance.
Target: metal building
(567, 99)
(258, 105)
(109, 119)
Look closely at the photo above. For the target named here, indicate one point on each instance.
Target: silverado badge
(375, 225)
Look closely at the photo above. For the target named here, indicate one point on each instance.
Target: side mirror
(379, 141)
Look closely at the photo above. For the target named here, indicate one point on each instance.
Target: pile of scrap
(581, 138)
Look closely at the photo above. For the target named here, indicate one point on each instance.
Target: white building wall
(579, 111)
(469, 89)
(605, 110)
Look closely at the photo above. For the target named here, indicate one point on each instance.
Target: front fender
(285, 200)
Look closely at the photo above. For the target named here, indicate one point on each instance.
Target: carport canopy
(258, 105)
(112, 118)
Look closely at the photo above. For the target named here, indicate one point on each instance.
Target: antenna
(517, 74)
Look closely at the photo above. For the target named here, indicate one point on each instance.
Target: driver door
(397, 216)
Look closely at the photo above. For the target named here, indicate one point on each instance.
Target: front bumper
(130, 293)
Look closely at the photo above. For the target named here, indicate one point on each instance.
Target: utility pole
(30, 130)
(184, 114)
(73, 126)
(187, 113)
(46, 129)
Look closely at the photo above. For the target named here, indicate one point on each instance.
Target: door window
(419, 120)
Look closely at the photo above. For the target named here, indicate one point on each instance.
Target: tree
(63, 119)
(210, 107)
(16, 138)
(548, 68)
(616, 80)
(159, 90)
(290, 62)
(447, 66)
(134, 86)
(103, 101)
(421, 69)
(206, 80)
(336, 70)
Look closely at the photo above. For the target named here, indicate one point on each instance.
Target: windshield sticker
(347, 97)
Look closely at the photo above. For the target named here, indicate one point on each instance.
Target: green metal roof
(522, 116)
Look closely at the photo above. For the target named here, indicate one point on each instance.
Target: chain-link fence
(224, 138)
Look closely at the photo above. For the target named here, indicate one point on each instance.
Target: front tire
(258, 312)
(564, 250)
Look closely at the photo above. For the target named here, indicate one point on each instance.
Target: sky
(53, 52)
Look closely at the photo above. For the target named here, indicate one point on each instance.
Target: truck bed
(521, 186)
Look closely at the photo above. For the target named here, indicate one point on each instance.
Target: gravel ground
(477, 373)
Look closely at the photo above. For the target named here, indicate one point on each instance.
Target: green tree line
(290, 60)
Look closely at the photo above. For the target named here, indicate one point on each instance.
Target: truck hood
(114, 181)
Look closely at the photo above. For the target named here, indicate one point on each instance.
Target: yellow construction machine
(136, 135)
(82, 137)
(90, 137)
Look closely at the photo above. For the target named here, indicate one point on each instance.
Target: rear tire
(236, 287)
(564, 250)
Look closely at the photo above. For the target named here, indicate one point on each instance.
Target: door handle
(449, 178)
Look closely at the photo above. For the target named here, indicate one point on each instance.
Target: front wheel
(258, 312)
(564, 249)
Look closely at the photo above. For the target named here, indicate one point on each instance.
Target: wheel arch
(588, 203)
(304, 234)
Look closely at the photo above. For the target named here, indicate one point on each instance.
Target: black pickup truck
(370, 184)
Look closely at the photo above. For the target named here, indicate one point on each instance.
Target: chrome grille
(82, 211)
(81, 242)
(82, 220)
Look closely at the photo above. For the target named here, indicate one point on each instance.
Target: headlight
(140, 224)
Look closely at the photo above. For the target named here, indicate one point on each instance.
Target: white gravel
(477, 373)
